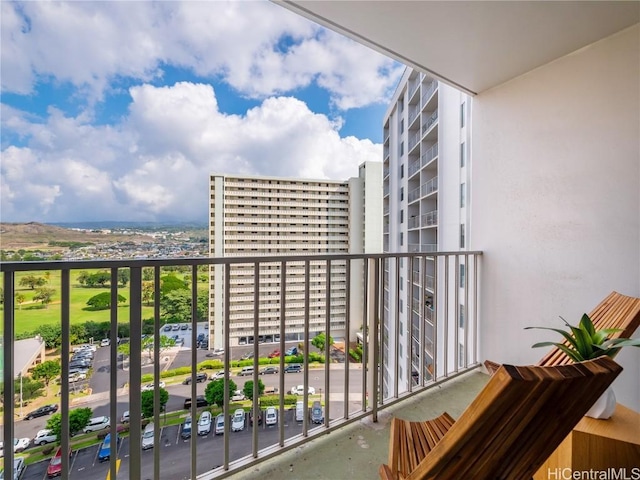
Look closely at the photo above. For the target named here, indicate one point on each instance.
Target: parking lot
(174, 463)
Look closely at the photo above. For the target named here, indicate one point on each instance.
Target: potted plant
(584, 342)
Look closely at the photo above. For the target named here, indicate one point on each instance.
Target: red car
(274, 354)
(55, 465)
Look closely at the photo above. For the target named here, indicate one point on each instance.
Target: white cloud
(259, 48)
(156, 163)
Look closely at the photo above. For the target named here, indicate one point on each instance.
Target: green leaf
(587, 325)
(583, 342)
(621, 342)
(566, 335)
(574, 355)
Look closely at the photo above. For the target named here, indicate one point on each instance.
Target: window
(401, 193)
(462, 114)
(462, 273)
(401, 148)
(401, 239)
(461, 316)
(460, 354)
(400, 305)
(463, 155)
(401, 104)
(402, 125)
(463, 190)
(401, 216)
(402, 171)
(462, 242)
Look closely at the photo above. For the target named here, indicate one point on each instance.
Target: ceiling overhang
(473, 45)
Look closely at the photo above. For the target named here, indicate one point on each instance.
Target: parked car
(43, 437)
(219, 429)
(247, 356)
(299, 411)
(245, 371)
(200, 377)
(315, 414)
(271, 416)
(204, 423)
(274, 354)
(77, 376)
(259, 417)
(268, 370)
(80, 348)
(200, 402)
(150, 386)
(216, 352)
(299, 390)
(167, 328)
(179, 342)
(147, 436)
(184, 326)
(291, 351)
(238, 396)
(218, 375)
(185, 431)
(19, 445)
(55, 465)
(96, 423)
(293, 368)
(201, 337)
(175, 327)
(105, 448)
(86, 353)
(237, 420)
(18, 468)
(42, 411)
(81, 364)
(79, 370)
(105, 342)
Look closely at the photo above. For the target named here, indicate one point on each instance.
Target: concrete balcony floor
(357, 450)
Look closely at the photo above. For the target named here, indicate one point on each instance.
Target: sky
(122, 110)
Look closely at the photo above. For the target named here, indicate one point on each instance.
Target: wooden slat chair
(513, 425)
(615, 311)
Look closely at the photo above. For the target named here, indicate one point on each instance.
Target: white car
(77, 376)
(105, 342)
(271, 416)
(149, 386)
(18, 468)
(43, 437)
(218, 375)
(237, 421)
(19, 444)
(299, 390)
(238, 396)
(204, 423)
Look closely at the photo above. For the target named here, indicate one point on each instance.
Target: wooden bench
(516, 421)
(615, 311)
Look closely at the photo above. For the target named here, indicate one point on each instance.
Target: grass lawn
(30, 314)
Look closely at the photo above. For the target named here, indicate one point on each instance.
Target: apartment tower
(425, 209)
(272, 216)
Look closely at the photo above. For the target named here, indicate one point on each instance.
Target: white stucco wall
(556, 198)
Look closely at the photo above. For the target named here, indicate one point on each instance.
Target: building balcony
(351, 396)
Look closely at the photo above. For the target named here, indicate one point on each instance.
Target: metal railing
(429, 219)
(433, 118)
(348, 394)
(428, 92)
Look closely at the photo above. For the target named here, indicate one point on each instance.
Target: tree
(214, 393)
(102, 301)
(319, 341)
(123, 276)
(51, 334)
(148, 292)
(83, 277)
(248, 388)
(46, 371)
(165, 342)
(169, 283)
(78, 419)
(32, 281)
(20, 299)
(44, 295)
(99, 279)
(175, 306)
(30, 388)
(146, 402)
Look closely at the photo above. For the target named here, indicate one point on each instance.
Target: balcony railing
(433, 118)
(430, 219)
(348, 393)
(428, 92)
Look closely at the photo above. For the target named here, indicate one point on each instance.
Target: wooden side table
(597, 445)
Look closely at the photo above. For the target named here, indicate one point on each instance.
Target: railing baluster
(135, 373)
(283, 297)
(9, 361)
(64, 352)
(156, 371)
(113, 371)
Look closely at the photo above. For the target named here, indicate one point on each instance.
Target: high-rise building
(284, 216)
(425, 209)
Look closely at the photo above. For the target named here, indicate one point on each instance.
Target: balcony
(347, 391)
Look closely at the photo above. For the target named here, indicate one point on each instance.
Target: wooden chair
(615, 311)
(513, 425)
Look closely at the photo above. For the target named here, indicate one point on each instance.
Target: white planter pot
(604, 406)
